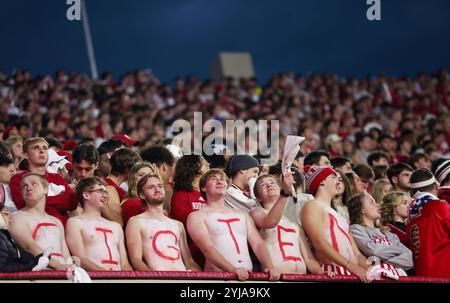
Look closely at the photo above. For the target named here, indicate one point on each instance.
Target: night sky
(180, 37)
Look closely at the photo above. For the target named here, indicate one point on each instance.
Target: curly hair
(390, 201)
(186, 170)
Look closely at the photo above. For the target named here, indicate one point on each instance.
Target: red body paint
(334, 222)
(105, 232)
(40, 225)
(159, 252)
(281, 244)
(228, 221)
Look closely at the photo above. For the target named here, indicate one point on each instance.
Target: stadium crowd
(88, 169)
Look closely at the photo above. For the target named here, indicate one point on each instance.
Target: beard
(155, 202)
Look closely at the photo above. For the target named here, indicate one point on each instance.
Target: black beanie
(241, 162)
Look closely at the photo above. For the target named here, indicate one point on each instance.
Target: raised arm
(76, 246)
(134, 244)
(267, 220)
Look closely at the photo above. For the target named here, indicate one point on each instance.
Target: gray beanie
(241, 162)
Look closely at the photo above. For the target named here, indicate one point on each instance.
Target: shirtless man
(222, 233)
(154, 241)
(33, 229)
(285, 240)
(98, 243)
(329, 231)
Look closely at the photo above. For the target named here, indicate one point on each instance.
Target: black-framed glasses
(101, 191)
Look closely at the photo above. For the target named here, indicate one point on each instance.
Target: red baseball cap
(125, 138)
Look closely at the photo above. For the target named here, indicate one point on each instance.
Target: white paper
(291, 148)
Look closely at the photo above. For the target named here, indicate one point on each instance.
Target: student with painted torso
(222, 233)
(329, 231)
(33, 229)
(285, 240)
(154, 241)
(98, 243)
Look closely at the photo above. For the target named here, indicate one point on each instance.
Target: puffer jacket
(13, 259)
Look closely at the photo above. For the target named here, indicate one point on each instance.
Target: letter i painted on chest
(105, 235)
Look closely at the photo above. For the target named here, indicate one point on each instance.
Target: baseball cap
(332, 138)
(125, 138)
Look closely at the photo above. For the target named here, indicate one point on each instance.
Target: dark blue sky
(178, 37)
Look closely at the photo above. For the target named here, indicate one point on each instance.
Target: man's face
(216, 185)
(403, 180)
(84, 169)
(97, 197)
(37, 154)
(268, 188)
(250, 173)
(153, 191)
(331, 184)
(32, 189)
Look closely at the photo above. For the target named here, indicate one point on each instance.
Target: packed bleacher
(93, 184)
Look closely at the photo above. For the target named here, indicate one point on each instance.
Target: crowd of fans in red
(374, 132)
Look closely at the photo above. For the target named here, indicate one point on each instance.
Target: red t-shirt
(130, 208)
(56, 206)
(120, 191)
(429, 239)
(182, 204)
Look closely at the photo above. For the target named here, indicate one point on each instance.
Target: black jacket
(13, 259)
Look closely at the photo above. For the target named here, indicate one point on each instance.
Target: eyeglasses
(101, 191)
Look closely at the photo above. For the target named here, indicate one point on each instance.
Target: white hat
(332, 138)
